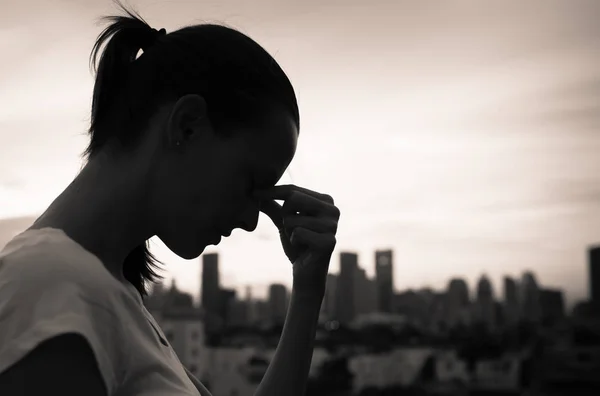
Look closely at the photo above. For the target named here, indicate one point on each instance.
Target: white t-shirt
(50, 285)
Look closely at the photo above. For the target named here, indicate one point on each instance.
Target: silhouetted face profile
(204, 178)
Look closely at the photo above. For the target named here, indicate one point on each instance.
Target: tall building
(227, 299)
(530, 298)
(384, 275)
(485, 307)
(594, 271)
(345, 303)
(277, 303)
(328, 305)
(457, 303)
(211, 292)
(210, 282)
(552, 305)
(511, 301)
(365, 293)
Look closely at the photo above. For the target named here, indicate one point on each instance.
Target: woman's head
(214, 114)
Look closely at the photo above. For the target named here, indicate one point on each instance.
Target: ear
(187, 121)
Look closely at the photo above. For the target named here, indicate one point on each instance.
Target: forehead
(271, 147)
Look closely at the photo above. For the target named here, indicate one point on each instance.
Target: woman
(187, 143)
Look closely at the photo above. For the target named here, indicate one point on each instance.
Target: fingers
(303, 236)
(299, 202)
(316, 224)
(284, 192)
(302, 208)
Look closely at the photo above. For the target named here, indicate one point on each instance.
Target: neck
(104, 210)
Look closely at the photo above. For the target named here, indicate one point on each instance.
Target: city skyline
(508, 291)
(352, 296)
(466, 146)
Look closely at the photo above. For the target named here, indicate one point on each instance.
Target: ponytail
(124, 37)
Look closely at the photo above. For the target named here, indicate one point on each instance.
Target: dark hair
(235, 75)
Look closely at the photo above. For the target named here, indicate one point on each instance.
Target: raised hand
(307, 224)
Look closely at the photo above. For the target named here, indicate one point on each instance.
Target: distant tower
(365, 293)
(594, 274)
(457, 302)
(384, 276)
(485, 306)
(211, 289)
(345, 304)
(552, 305)
(511, 301)
(328, 306)
(530, 298)
(277, 303)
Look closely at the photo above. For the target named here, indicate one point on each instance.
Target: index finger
(283, 192)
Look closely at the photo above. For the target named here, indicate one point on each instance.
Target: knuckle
(331, 224)
(327, 198)
(294, 198)
(333, 240)
(336, 212)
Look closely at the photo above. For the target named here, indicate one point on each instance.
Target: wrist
(308, 296)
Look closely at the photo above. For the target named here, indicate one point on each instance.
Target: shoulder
(41, 262)
(51, 287)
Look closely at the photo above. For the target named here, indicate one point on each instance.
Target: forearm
(288, 372)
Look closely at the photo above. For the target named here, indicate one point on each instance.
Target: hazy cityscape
(375, 340)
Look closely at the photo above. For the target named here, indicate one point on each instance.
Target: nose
(249, 218)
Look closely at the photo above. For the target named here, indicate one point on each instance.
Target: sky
(464, 135)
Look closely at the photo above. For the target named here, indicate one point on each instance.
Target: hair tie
(151, 40)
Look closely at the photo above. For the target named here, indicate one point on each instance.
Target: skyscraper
(345, 304)
(530, 298)
(329, 300)
(552, 305)
(384, 276)
(511, 301)
(457, 302)
(594, 274)
(365, 293)
(211, 289)
(485, 306)
(227, 299)
(277, 303)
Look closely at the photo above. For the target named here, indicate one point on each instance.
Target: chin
(187, 249)
(190, 254)
(194, 249)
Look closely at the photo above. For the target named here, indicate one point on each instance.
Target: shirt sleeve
(37, 306)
